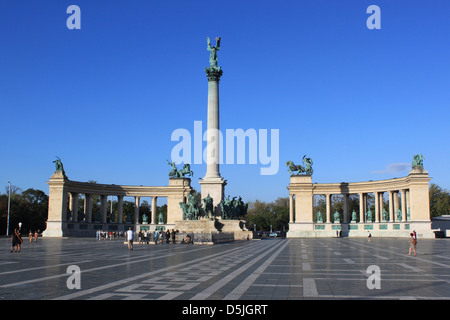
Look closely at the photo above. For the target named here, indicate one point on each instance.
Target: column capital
(213, 73)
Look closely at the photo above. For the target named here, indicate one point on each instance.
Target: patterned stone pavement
(275, 269)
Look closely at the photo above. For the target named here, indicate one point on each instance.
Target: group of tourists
(158, 236)
(111, 235)
(16, 239)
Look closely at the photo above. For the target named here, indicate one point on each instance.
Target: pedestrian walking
(35, 236)
(412, 244)
(16, 241)
(130, 237)
(415, 235)
(145, 237)
(161, 236)
(30, 235)
(369, 235)
(155, 236)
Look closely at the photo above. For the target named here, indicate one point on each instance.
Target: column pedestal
(215, 187)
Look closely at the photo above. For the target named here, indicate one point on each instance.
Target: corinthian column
(213, 184)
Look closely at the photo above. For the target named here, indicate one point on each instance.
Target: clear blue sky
(106, 98)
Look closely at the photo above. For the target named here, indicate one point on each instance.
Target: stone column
(70, 204)
(377, 207)
(345, 214)
(213, 142)
(88, 207)
(154, 211)
(103, 208)
(75, 207)
(328, 205)
(119, 209)
(291, 208)
(361, 208)
(396, 207)
(391, 206)
(136, 209)
(404, 211)
(213, 184)
(408, 202)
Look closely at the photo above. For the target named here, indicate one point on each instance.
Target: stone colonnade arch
(63, 198)
(409, 207)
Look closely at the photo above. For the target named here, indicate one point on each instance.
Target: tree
(439, 201)
(264, 215)
(29, 207)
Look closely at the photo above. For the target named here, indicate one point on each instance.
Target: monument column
(213, 184)
(361, 207)
(328, 205)
(74, 206)
(291, 208)
(377, 207)
(88, 207)
(346, 213)
(103, 207)
(404, 205)
(396, 193)
(136, 209)
(391, 206)
(119, 209)
(154, 216)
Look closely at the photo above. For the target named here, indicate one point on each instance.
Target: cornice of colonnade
(174, 188)
(371, 186)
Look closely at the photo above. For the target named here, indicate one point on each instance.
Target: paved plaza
(275, 269)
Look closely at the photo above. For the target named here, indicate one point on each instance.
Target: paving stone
(273, 269)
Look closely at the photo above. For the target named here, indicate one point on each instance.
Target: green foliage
(439, 201)
(29, 207)
(266, 214)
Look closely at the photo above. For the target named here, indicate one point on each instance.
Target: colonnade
(64, 197)
(397, 207)
(408, 209)
(73, 201)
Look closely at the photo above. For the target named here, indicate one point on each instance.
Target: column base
(215, 187)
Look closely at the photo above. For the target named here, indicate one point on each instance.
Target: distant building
(442, 223)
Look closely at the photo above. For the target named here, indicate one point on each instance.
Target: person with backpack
(16, 241)
(412, 244)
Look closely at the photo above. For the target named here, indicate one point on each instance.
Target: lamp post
(9, 208)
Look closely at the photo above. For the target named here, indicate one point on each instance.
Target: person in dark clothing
(16, 241)
(173, 235)
(167, 236)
